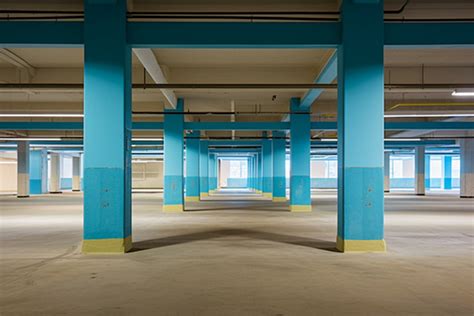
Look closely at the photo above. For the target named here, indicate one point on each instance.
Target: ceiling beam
(149, 61)
(15, 60)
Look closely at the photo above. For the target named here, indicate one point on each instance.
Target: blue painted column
(361, 128)
(192, 167)
(38, 171)
(279, 155)
(23, 169)
(212, 173)
(173, 148)
(260, 173)
(427, 171)
(448, 170)
(251, 173)
(420, 168)
(300, 155)
(107, 128)
(204, 169)
(267, 152)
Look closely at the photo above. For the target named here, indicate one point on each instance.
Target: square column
(386, 177)
(55, 177)
(173, 159)
(448, 169)
(427, 171)
(467, 168)
(204, 169)
(279, 156)
(300, 155)
(38, 171)
(259, 177)
(23, 169)
(76, 173)
(360, 122)
(212, 173)
(267, 166)
(192, 167)
(420, 170)
(107, 128)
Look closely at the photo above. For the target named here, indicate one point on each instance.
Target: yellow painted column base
(211, 191)
(112, 245)
(203, 195)
(268, 195)
(176, 208)
(360, 245)
(258, 191)
(279, 199)
(300, 208)
(191, 198)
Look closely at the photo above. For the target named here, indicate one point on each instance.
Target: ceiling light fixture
(429, 115)
(39, 115)
(462, 93)
(28, 139)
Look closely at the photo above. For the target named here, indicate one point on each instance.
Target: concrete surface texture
(226, 256)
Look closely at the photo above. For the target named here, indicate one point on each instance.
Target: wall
(8, 176)
(147, 175)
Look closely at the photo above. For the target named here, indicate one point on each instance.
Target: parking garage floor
(238, 254)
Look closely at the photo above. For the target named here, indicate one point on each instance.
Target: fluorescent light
(27, 139)
(402, 139)
(147, 139)
(429, 115)
(39, 115)
(463, 93)
(329, 139)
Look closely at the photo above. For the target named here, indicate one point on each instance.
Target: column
(173, 161)
(192, 167)
(420, 170)
(23, 169)
(300, 155)
(212, 173)
(76, 173)
(259, 174)
(267, 166)
(386, 178)
(448, 170)
(38, 171)
(361, 128)
(467, 168)
(427, 171)
(279, 154)
(252, 172)
(55, 178)
(107, 128)
(204, 169)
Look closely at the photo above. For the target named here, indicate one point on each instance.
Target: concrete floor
(229, 257)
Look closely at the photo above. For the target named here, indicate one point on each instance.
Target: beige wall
(8, 178)
(147, 175)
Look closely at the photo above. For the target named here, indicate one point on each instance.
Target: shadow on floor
(182, 239)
